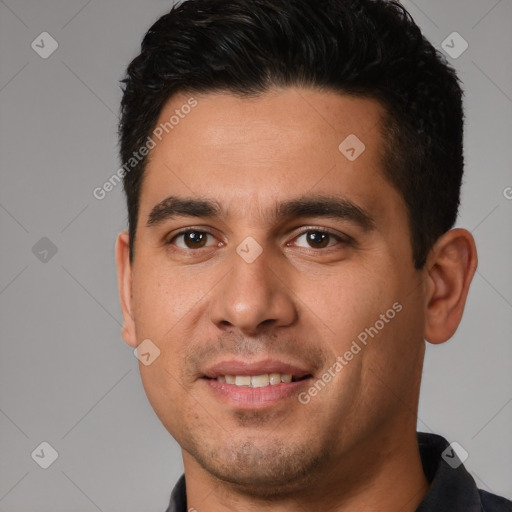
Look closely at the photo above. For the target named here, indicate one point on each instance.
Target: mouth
(256, 374)
(255, 385)
(259, 381)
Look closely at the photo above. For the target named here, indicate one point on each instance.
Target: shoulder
(494, 503)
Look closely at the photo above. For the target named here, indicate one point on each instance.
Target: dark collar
(452, 489)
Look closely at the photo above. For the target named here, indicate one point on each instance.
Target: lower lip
(246, 397)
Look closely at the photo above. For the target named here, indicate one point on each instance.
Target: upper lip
(237, 367)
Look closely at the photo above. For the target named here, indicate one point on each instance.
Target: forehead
(302, 119)
(252, 152)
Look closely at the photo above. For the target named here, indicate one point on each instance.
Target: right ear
(124, 281)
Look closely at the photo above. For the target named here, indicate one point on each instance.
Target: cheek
(170, 310)
(346, 302)
(394, 348)
(164, 393)
(161, 298)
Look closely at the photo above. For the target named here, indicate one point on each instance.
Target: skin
(353, 446)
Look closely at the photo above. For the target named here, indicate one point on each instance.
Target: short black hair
(364, 48)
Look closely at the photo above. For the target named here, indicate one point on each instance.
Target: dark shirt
(452, 489)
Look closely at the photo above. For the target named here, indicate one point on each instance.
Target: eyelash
(345, 240)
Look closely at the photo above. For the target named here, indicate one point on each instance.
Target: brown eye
(191, 239)
(316, 239)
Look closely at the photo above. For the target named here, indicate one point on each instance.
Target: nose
(253, 297)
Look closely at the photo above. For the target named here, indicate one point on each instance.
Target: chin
(269, 471)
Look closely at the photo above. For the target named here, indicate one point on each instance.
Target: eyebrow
(308, 206)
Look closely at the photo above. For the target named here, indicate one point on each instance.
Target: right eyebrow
(173, 206)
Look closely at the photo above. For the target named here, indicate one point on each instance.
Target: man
(292, 179)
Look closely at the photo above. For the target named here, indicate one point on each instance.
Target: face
(279, 255)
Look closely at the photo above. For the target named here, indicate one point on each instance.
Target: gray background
(66, 376)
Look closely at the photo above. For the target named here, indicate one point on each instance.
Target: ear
(124, 281)
(450, 268)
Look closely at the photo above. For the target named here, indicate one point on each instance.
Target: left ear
(450, 268)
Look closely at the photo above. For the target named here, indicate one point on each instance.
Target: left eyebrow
(307, 206)
(338, 208)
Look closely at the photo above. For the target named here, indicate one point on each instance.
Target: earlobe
(124, 281)
(451, 267)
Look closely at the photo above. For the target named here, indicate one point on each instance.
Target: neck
(385, 474)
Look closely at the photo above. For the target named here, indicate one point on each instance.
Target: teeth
(275, 378)
(259, 381)
(256, 381)
(243, 380)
